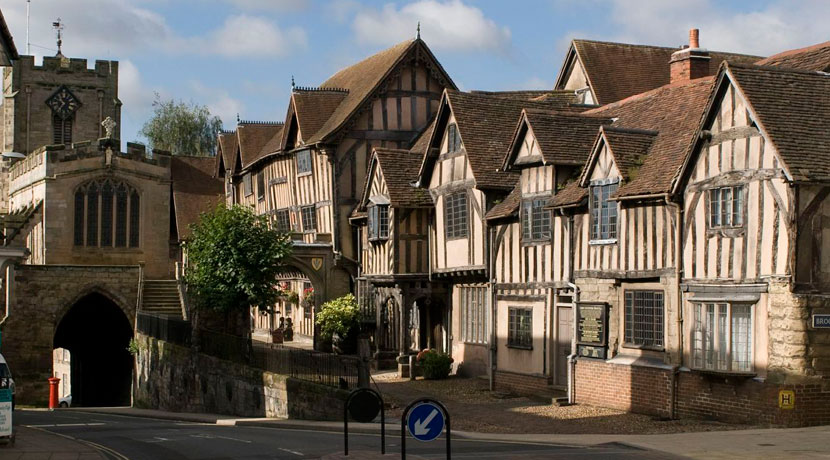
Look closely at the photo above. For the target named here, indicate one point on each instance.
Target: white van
(6, 373)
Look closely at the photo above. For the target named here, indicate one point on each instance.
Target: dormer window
(603, 212)
(453, 139)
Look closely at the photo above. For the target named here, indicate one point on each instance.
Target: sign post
(363, 404)
(592, 330)
(425, 418)
(5, 408)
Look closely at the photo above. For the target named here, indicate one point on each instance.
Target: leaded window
(247, 184)
(309, 216)
(722, 337)
(453, 139)
(304, 162)
(474, 319)
(520, 327)
(603, 212)
(260, 186)
(107, 214)
(283, 220)
(378, 222)
(535, 220)
(644, 318)
(455, 215)
(726, 207)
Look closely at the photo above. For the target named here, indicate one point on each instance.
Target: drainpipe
(492, 345)
(678, 271)
(574, 300)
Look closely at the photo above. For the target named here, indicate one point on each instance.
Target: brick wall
(640, 389)
(647, 390)
(524, 384)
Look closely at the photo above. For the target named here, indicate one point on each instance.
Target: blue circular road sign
(426, 421)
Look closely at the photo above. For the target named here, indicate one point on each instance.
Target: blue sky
(238, 56)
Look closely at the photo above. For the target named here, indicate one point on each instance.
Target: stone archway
(97, 333)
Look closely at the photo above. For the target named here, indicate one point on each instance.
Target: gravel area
(474, 408)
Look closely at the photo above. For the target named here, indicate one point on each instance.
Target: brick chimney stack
(690, 62)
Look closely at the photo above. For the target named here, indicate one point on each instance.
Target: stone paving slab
(35, 444)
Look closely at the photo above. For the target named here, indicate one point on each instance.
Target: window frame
(279, 214)
(721, 361)
(737, 195)
(630, 324)
(378, 222)
(260, 186)
(114, 200)
(247, 184)
(514, 340)
(453, 138)
(475, 318)
(535, 220)
(313, 213)
(454, 228)
(304, 163)
(599, 209)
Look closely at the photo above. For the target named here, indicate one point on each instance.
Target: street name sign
(821, 321)
(426, 422)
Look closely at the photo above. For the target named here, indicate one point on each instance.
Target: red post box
(53, 392)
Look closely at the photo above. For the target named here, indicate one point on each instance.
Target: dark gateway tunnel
(97, 334)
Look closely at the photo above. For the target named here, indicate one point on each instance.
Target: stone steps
(161, 297)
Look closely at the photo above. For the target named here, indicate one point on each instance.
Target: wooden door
(563, 344)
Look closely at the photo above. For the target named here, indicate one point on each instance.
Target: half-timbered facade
(531, 264)
(393, 226)
(307, 175)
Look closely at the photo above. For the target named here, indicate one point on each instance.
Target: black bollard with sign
(363, 404)
(425, 418)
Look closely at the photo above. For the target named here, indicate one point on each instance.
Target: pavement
(36, 443)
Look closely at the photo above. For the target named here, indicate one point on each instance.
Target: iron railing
(166, 328)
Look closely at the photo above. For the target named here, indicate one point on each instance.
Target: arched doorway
(97, 334)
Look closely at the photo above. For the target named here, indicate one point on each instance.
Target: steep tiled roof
(420, 144)
(227, 150)
(674, 112)
(314, 107)
(486, 127)
(195, 190)
(362, 79)
(400, 169)
(618, 70)
(253, 137)
(522, 95)
(508, 206)
(563, 138)
(571, 195)
(815, 57)
(793, 108)
(629, 148)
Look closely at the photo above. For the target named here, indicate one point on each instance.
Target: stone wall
(175, 378)
(41, 296)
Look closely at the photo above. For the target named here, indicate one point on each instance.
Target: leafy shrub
(435, 365)
(338, 316)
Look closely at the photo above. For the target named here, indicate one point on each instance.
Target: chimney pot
(694, 38)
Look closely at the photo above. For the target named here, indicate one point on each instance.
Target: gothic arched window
(102, 207)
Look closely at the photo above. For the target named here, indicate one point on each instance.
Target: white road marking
(158, 439)
(65, 424)
(291, 451)
(210, 436)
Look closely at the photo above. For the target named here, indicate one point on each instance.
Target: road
(136, 438)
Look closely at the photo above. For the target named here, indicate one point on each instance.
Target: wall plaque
(592, 330)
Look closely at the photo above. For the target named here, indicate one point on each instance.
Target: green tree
(233, 260)
(182, 128)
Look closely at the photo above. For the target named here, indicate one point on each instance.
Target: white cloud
(765, 30)
(536, 83)
(245, 35)
(276, 5)
(450, 25)
(219, 101)
(120, 28)
(131, 89)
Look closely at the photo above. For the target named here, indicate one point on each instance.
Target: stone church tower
(58, 102)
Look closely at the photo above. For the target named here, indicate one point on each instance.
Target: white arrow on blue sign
(425, 422)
